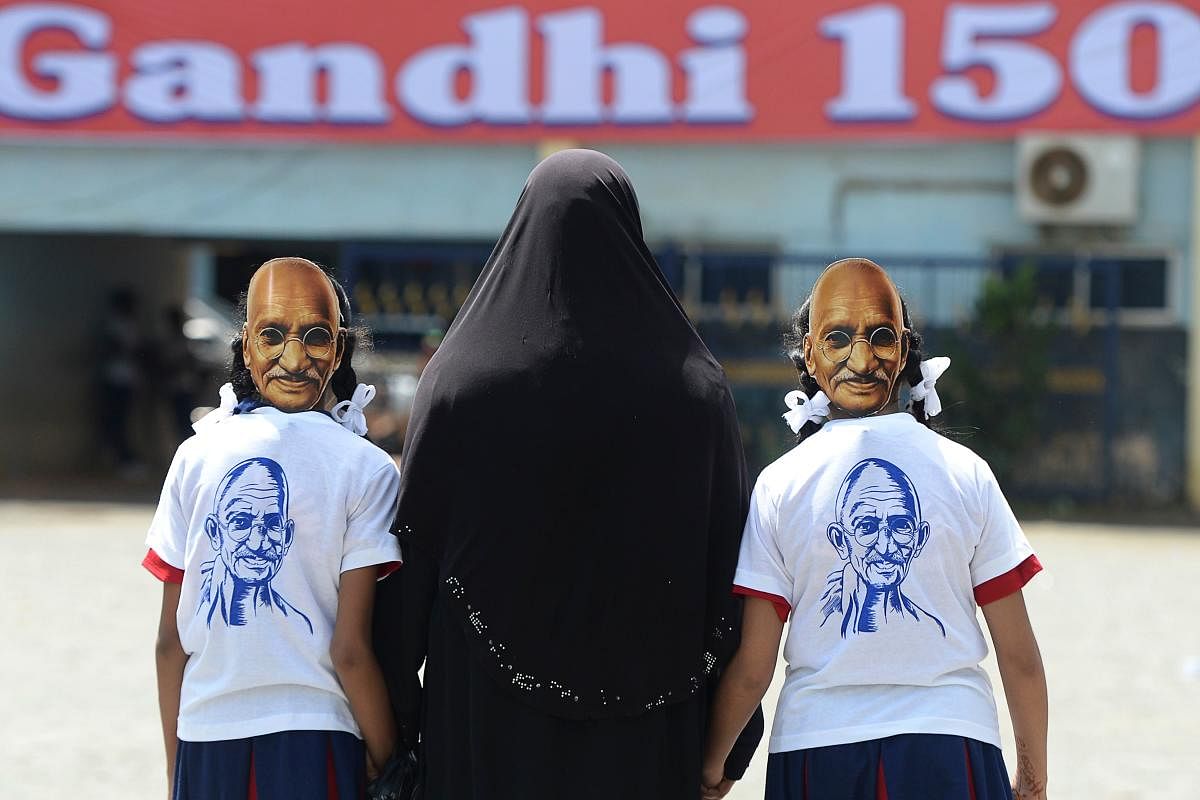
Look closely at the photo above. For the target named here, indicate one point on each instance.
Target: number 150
(1027, 78)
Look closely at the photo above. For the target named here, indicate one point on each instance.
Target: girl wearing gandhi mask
(272, 529)
(876, 539)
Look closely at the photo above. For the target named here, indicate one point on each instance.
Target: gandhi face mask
(857, 343)
(292, 343)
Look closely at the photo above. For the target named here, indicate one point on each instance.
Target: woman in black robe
(572, 500)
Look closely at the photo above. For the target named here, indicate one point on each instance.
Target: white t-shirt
(263, 512)
(876, 531)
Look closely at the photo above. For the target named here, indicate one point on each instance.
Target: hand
(1026, 788)
(713, 783)
(372, 770)
(716, 791)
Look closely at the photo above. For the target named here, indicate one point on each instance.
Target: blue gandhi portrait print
(878, 532)
(251, 533)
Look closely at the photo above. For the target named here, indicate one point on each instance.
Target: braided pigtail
(911, 373)
(345, 379)
(239, 373)
(793, 343)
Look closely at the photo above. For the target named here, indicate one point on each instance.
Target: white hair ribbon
(229, 402)
(349, 413)
(802, 410)
(926, 390)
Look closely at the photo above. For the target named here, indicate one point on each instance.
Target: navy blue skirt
(292, 765)
(912, 766)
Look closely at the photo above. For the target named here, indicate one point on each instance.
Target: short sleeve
(1002, 544)
(167, 537)
(369, 539)
(761, 565)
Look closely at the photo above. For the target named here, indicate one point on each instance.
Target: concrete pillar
(202, 270)
(1193, 323)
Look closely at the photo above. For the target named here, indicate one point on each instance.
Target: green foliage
(1001, 362)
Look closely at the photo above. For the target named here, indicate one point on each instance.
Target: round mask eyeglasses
(317, 342)
(838, 345)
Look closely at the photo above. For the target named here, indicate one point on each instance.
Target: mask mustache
(878, 376)
(309, 375)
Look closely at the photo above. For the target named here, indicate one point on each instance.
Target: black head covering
(573, 462)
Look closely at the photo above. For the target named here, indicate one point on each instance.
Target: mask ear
(340, 353)
(905, 350)
(213, 531)
(837, 537)
(245, 347)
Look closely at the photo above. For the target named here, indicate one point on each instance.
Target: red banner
(667, 70)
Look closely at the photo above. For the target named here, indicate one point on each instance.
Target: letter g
(86, 82)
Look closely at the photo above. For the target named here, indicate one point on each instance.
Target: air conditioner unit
(1077, 180)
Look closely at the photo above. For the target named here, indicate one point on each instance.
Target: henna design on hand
(1028, 785)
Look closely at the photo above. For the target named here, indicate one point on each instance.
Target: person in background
(271, 531)
(571, 503)
(884, 697)
(121, 350)
(180, 372)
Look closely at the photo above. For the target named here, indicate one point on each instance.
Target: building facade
(960, 146)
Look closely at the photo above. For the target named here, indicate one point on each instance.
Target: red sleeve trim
(388, 569)
(782, 607)
(1009, 583)
(161, 569)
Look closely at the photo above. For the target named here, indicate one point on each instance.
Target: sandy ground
(78, 714)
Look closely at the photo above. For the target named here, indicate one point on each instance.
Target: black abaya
(479, 742)
(571, 504)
